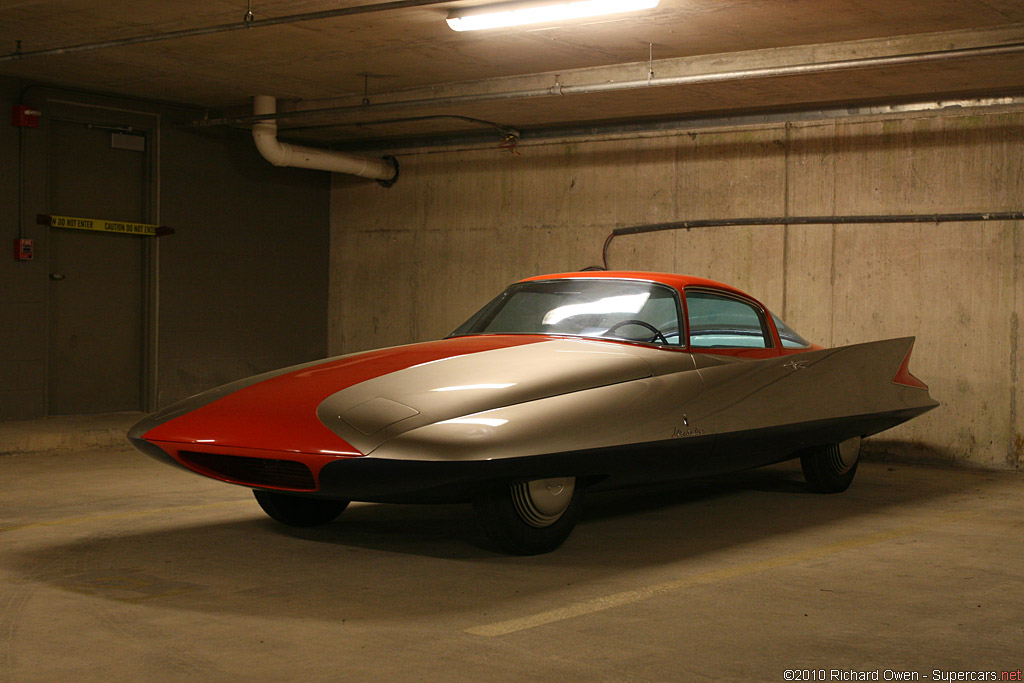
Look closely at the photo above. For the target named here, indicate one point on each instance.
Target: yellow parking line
(65, 521)
(503, 628)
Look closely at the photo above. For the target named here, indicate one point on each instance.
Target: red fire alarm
(22, 250)
(25, 116)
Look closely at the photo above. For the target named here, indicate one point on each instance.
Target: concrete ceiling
(725, 56)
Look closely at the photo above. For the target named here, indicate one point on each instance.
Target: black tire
(299, 510)
(530, 517)
(830, 469)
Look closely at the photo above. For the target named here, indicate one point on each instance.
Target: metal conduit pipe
(801, 69)
(264, 133)
(812, 220)
(247, 23)
(689, 79)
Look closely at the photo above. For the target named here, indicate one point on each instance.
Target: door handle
(56, 276)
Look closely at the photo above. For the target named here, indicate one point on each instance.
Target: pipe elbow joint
(264, 134)
(265, 137)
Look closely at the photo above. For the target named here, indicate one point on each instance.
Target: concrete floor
(113, 567)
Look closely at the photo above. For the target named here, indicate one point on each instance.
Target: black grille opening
(286, 474)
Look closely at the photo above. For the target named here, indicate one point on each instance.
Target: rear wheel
(830, 469)
(298, 510)
(530, 517)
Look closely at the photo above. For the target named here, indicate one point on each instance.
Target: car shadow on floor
(430, 559)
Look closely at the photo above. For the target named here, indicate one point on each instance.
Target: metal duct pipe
(264, 133)
(559, 89)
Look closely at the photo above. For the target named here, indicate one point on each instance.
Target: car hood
(352, 404)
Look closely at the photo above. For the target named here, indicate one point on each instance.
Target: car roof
(679, 282)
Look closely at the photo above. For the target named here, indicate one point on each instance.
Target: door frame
(56, 104)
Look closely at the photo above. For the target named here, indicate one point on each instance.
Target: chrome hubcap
(843, 457)
(542, 502)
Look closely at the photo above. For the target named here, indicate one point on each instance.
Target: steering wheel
(641, 323)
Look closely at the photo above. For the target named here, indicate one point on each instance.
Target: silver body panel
(578, 395)
(841, 382)
(377, 410)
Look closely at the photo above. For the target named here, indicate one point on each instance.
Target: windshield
(616, 309)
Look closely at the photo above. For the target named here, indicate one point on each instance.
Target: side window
(790, 339)
(718, 321)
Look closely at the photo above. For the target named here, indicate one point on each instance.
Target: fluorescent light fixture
(519, 13)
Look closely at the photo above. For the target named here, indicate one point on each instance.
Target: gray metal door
(96, 281)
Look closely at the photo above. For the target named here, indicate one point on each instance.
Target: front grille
(286, 474)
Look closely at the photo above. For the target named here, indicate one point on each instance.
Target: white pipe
(279, 153)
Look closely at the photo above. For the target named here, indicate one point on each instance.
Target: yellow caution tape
(98, 224)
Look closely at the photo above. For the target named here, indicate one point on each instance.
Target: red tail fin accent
(903, 375)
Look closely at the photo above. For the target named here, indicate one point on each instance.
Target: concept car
(562, 384)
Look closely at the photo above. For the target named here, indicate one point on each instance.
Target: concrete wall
(22, 353)
(410, 263)
(242, 284)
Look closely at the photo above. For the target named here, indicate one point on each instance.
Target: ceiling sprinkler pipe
(279, 153)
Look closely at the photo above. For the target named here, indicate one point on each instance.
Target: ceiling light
(519, 13)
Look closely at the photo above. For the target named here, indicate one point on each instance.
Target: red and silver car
(562, 384)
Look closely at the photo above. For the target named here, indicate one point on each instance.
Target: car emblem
(686, 430)
(795, 365)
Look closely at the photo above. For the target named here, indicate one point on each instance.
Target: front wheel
(299, 510)
(830, 469)
(530, 517)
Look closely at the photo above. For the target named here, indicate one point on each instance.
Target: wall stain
(1015, 454)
